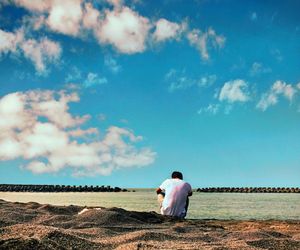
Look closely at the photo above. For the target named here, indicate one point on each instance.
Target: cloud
(282, 88)
(125, 29)
(119, 26)
(202, 41)
(38, 127)
(9, 41)
(234, 91)
(40, 52)
(258, 69)
(34, 5)
(65, 16)
(207, 81)
(279, 88)
(277, 55)
(74, 75)
(165, 30)
(91, 16)
(112, 64)
(83, 132)
(93, 79)
(211, 108)
(180, 80)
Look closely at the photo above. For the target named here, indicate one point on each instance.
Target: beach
(43, 226)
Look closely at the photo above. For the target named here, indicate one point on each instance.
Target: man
(173, 196)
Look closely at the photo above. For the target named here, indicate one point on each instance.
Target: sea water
(239, 206)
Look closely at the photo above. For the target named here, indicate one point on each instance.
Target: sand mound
(117, 216)
(65, 210)
(275, 244)
(35, 226)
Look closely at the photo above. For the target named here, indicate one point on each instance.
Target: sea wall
(57, 188)
(249, 190)
(69, 188)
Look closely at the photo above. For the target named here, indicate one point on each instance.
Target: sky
(122, 93)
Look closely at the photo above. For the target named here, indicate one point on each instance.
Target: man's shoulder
(188, 184)
(166, 182)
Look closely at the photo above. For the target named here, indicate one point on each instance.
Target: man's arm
(162, 188)
(190, 193)
(159, 191)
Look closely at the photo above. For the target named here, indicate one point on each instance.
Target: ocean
(225, 206)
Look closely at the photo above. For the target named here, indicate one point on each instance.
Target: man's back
(176, 193)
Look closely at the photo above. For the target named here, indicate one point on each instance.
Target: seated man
(173, 196)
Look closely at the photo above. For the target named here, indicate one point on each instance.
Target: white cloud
(56, 110)
(40, 52)
(125, 29)
(211, 108)
(10, 148)
(267, 99)
(62, 16)
(202, 40)
(93, 79)
(9, 41)
(65, 16)
(276, 53)
(12, 112)
(30, 128)
(234, 91)
(90, 16)
(287, 90)
(170, 74)
(206, 81)
(167, 30)
(74, 75)
(112, 64)
(180, 80)
(279, 88)
(121, 27)
(258, 69)
(35, 5)
(199, 39)
(83, 132)
(218, 41)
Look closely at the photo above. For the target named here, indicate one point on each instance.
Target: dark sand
(35, 226)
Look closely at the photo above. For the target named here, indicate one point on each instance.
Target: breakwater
(249, 190)
(57, 188)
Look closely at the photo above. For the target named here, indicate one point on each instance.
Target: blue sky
(122, 93)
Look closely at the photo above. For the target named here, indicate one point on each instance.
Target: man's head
(177, 175)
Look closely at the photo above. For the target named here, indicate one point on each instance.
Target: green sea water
(239, 206)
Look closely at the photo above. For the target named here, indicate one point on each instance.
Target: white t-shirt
(176, 192)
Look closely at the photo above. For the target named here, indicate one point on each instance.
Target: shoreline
(43, 226)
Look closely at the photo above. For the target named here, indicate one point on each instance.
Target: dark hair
(177, 174)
